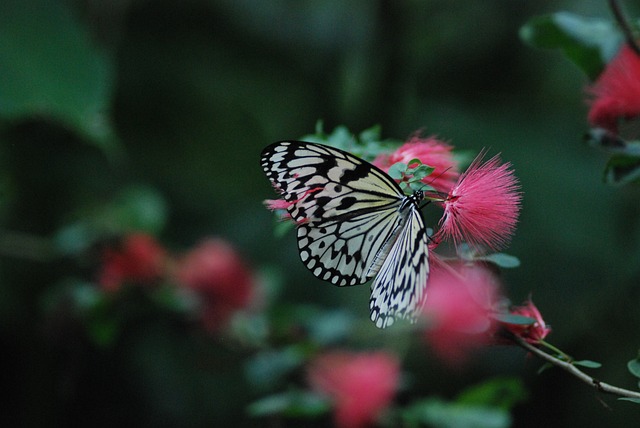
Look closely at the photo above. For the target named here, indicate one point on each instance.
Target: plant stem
(624, 25)
(600, 386)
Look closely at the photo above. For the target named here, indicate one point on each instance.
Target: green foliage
(634, 367)
(514, 319)
(587, 363)
(588, 42)
(51, 67)
(484, 405)
(293, 403)
(622, 169)
(367, 144)
(134, 208)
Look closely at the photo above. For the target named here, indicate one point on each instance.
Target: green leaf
(633, 400)
(135, 208)
(397, 170)
(267, 368)
(293, 403)
(500, 393)
(51, 67)
(622, 169)
(502, 260)
(544, 367)
(634, 367)
(438, 413)
(372, 134)
(516, 319)
(587, 363)
(421, 172)
(612, 143)
(588, 42)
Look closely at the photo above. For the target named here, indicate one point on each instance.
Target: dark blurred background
(181, 97)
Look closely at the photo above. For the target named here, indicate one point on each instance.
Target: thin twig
(624, 25)
(600, 386)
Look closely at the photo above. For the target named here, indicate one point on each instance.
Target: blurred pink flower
(138, 259)
(461, 299)
(615, 95)
(430, 151)
(361, 385)
(219, 277)
(482, 208)
(532, 333)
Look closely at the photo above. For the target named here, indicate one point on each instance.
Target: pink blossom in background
(219, 277)
(615, 94)
(482, 207)
(430, 151)
(138, 259)
(532, 333)
(360, 385)
(458, 310)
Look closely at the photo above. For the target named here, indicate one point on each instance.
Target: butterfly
(354, 224)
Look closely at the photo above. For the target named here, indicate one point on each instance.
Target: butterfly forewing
(353, 222)
(325, 182)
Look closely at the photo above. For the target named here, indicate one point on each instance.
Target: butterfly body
(354, 224)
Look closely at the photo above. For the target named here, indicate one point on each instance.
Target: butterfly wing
(353, 222)
(346, 208)
(399, 288)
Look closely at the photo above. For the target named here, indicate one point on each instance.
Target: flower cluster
(213, 272)
(431, 151)
(360, 385)
(458, 312)
(615, 96)
(532, 332)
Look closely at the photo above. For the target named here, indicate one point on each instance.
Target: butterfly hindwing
(399, 288)
(345, 252)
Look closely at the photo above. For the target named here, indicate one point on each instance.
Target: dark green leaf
(267, 368)
(587, 363)
(136, 208)
(500, 393)
(588, 42)
(514, 319)
(438, 413)
(292, 403)
(634, 367)
(502, 260)
(544, 367)
(50, 67)
(633, 400)
(622, 169)
(612, 143)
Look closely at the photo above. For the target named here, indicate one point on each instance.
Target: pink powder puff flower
(430, 151)
(616, 92)
(360, 385)
(532, 333)
(482, 208)
(138, 259)
(458, 311)
(219, 277)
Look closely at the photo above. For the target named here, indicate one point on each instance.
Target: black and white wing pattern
(354, 223)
